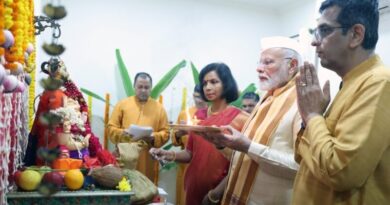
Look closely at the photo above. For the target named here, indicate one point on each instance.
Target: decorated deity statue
(72, 139)
(71, 133)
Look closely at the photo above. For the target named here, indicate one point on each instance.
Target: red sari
(208, 166)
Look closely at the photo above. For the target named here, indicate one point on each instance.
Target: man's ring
(303, 84)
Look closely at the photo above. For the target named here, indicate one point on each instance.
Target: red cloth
(50, 100)
(208, 166)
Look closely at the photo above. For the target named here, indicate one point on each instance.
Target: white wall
(298, 16)
(384, 38)
(154, 36)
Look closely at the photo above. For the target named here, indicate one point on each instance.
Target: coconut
(108, 176)
(10, 83)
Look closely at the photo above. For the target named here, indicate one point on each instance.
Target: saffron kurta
(131, 111)
(265, 175)
(345, 155)
(208, 166)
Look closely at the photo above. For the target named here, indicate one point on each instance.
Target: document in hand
(138, 132)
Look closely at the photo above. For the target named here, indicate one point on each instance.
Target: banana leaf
(195, 74)
(127, 84)
(169, 166)
(92, 94)
(250, 88)
(166, 80)
(168, 146)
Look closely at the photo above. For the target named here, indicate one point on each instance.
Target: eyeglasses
(268, 62)
(324, 30)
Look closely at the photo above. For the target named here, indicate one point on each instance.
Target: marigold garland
(2, 37)
(19, 31)
(8, 10)
(31, 64)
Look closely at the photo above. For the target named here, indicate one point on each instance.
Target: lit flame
(188, 117)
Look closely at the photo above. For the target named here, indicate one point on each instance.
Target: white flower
(71, 115)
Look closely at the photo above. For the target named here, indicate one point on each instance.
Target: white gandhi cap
(281, 42)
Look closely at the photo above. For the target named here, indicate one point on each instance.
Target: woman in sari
(208, 166)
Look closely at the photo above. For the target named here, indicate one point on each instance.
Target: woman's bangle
(214, 201)
(174, 156)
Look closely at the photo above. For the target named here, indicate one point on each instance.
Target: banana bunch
(53, 49)
(54, 12)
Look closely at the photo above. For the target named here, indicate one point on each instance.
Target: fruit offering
(74, 179)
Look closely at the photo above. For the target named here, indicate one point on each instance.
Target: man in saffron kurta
(180, 138)
(144, 111)
(345, 153)
(262, 169)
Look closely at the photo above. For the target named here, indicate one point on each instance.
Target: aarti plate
(195, 128)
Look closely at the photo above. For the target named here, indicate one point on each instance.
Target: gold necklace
(209, 112)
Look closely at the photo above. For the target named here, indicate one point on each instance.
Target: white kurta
(277, 165)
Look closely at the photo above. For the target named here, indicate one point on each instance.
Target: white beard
(274, 81)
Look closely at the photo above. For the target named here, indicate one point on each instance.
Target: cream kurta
(275, 176)
(346, 154)
(131, 111)
(277, 168)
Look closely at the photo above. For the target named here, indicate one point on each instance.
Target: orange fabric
(49, 100)
(67, 164)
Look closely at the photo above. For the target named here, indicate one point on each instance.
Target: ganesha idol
(72, 135)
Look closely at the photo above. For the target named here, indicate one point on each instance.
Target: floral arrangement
(70, 116)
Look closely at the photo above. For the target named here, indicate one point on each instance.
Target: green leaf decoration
(250, 88)
(169, 166)
(127, 84)
(168, 146)
(195, 74)
(166, 80)
(92, 94)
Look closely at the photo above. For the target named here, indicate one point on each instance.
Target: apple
(51, 183)
(17, 177)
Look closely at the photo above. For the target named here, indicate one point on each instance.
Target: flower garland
(16, 53)
(8, 11)
(31, 66)
(20, 25)
(2, 22)
(70, 115)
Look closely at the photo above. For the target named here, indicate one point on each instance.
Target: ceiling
(267, 4)
(277, 4)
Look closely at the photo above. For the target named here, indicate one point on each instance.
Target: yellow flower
(124, 185)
